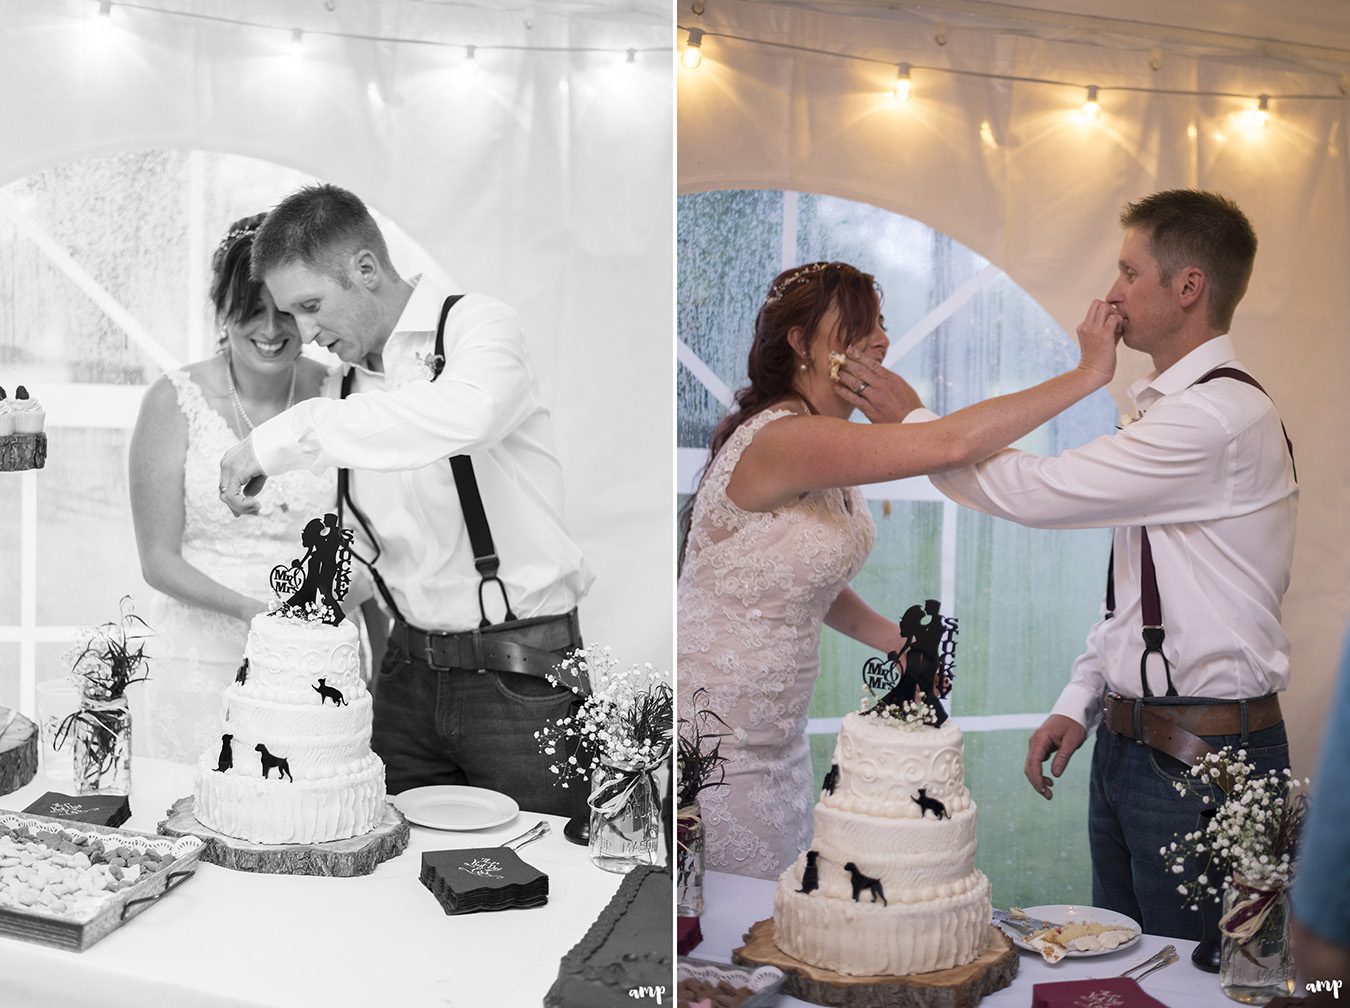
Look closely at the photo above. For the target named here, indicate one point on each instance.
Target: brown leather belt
(1175, 728)
(525, 647)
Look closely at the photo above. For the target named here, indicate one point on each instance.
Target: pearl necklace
(234, 392)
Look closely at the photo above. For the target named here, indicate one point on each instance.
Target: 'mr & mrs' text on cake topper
(318, 581)
(921, 672)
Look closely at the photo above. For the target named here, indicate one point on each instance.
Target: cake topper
(865, 883)
(926, 674)
(318, 581)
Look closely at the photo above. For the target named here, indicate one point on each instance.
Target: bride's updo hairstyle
(234, 293)
(798, 297)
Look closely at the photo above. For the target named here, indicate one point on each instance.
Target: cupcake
(29, 416)
(6, 417)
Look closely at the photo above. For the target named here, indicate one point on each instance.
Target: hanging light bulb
(471, 58)
(103, 20)
(903, 86)
(692, 55)
(297, 45)
(1259, 116)
(630, 61)
(1091, 109)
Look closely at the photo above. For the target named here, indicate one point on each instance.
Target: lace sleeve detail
(193, 405)
(713, 508)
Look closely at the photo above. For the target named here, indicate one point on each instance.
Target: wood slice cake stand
(18, 753)
(959, 987)
(22, 451)
(342, 858)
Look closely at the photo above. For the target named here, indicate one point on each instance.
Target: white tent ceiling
(991, 150)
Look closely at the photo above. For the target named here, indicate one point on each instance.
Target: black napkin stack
(482, 878)
(101, 810)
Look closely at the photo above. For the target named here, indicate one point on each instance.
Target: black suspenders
(1150, 602)
(485, 558)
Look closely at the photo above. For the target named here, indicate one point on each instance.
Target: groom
(1201, 492)
(483, 606)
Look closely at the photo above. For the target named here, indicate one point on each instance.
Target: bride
(778, 529)
(209, 569)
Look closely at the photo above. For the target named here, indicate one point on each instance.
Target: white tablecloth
(733, 903)
(291, 941)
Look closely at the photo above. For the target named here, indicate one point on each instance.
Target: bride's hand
(1098, 334)
(885, 397)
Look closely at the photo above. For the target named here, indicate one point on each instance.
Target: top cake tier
(290, 654)
(882, 764)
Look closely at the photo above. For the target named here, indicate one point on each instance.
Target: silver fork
(1163, 957)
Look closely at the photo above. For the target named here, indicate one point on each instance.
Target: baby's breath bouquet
(1247, 847)
(625, 727)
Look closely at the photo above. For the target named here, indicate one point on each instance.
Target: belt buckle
(429, 652)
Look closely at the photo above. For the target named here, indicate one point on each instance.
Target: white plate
(1068, 913)
(456, 807)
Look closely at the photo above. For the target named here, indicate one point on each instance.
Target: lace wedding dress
(753, 594)
(196, 652)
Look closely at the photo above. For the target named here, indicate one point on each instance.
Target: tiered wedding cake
(889, 886)
(295, 764)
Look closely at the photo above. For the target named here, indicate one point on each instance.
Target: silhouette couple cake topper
(318, 581)
(928, 652)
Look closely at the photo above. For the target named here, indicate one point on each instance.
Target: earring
(801, 367)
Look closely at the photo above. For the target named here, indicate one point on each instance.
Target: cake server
(1021, 923)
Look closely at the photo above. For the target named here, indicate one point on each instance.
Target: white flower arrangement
(1254, 832)
(627, 721)
(910, 715)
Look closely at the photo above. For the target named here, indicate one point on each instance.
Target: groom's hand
(1059, 735)
(241, 478)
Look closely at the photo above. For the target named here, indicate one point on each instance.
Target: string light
(297, 45)
(693, 50)
(1091, 109)
(1257, 117)
(471, 58)
(631, 60)
(103, 20)
(903, 86)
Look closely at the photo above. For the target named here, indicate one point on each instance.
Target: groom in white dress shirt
(456, 701)
(1205, 468)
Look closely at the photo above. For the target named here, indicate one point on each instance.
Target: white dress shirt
(396, 432)
(1206, 469)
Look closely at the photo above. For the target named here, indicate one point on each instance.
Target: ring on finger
(862, 387)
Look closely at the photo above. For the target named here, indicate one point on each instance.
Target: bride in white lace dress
(778, 529)
(209, 569)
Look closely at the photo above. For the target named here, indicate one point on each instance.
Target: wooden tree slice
(22, 451)
(343, 858)
(18, 753)
(959, 987)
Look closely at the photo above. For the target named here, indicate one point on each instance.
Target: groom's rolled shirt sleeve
(483, 393)
(1163, 469)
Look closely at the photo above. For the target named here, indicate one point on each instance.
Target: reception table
(733, 903)
(229, 938)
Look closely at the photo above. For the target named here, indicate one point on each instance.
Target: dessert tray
(70, 884)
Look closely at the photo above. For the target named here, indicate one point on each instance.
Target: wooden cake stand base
(22, 451)
(960, 987)
(344, 858)
(18, 753)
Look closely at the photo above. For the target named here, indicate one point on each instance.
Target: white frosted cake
(294, 764)
(890, 882)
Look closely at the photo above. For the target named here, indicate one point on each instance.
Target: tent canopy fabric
(992, 148)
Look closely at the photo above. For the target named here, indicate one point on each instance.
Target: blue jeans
(1133, 811)
(463, 726)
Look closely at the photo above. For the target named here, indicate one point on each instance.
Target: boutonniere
(1126, 420)
(431, 364)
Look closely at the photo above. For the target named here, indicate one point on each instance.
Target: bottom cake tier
(272, 811)
(872, 939)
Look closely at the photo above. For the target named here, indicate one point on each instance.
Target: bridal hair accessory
(239, 232)
(804, 273)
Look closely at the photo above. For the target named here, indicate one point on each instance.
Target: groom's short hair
(322, 226)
